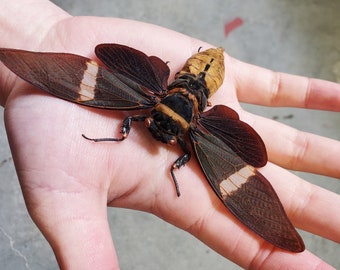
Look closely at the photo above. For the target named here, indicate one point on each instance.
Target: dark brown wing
(149, 71)
(223, 123)
(77, 79)
(244, 191)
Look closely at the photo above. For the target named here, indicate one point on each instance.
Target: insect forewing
(149, 71)
(244, 191)
(77, 79)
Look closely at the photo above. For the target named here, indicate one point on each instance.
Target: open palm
(68, 181)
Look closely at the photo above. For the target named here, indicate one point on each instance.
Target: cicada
(227, 149)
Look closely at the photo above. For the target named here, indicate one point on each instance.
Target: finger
(77, 230)
(83, 244)
(297, 150)
(309, 208)
(248, 251)
(279, 260)
(264, 87)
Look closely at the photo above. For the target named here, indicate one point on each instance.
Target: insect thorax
(194, 88)
(171, 117)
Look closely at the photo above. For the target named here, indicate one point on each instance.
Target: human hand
(63, 174)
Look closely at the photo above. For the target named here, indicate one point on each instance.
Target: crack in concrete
(16, 251)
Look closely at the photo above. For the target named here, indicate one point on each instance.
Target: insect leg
(181, 161)
(125, 130)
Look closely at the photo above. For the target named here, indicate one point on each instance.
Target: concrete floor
(294, 36)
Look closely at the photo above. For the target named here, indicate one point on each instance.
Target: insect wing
(224, 123)
(149, 71)
(244, 191)
(77, 79)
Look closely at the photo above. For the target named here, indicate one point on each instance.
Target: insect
(227, 149)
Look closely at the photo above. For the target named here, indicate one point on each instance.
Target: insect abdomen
(210, 62)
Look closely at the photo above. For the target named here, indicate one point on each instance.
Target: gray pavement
(294, 36)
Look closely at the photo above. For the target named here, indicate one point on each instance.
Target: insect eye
(172, 141)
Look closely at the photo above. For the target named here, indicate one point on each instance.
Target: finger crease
(308, 93)
(198, 226)
(275, 88)
(301, 145)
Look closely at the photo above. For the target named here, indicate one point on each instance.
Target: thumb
(79, 234)
(71, 211)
